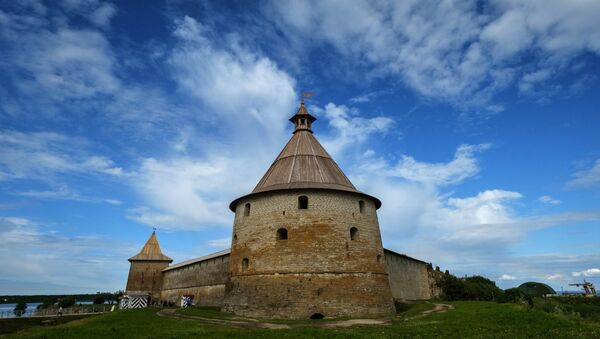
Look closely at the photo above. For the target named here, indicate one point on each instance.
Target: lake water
(6, 310)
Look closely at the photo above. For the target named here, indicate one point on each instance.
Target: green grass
(16, 324)
(206, 312)
(469, 319)
(407, 310)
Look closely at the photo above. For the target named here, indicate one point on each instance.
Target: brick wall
(205, 280)
(411, 279)
(319, 266)
(145, 277)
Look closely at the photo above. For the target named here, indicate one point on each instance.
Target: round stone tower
(306, 242)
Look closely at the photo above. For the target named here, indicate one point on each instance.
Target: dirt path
(252, 323)
(441, 308)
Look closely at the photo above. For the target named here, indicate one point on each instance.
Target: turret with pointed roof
(306, 242)
(145, 273)
(151, 251)
(304, 163)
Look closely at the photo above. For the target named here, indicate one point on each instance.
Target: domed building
(305, 244)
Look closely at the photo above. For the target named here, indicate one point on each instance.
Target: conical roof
(304, 163)
(151, 251)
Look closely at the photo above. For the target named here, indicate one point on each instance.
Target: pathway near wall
(253, 323)
(439, 308)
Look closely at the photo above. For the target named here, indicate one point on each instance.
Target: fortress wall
(318, 237)
(205, 280)
(319, 268)
(145, 277)
(410, 279)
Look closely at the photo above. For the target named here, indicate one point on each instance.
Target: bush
(99, 300)
(469, 288)
(512, 295)
(20, 308)
(66, 302)
(49, 302)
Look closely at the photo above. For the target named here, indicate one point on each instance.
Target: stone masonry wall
(319, 266)
(205, 280)
(145, 277)
(410, 279)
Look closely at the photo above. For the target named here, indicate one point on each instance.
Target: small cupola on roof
(302, 120)
(304, 164)
(151, 251)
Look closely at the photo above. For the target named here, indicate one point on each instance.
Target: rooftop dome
(304, 163)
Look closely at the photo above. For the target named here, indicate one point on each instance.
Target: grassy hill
(469, 319)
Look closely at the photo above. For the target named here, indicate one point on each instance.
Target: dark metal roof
(404, 256)
(199, 259)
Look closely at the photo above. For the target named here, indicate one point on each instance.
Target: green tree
(20, 308)
(99, 299)
(66, 302)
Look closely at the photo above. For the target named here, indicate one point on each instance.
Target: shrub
(512, 295)
(99, 299)
(66, 302)
(469, 288)
(20, 308)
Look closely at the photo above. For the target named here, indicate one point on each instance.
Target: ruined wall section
(319, 268)
(205, 280)
(411, 279)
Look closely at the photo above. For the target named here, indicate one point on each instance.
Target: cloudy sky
(476, 124)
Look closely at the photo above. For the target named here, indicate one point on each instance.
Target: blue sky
(476, 124)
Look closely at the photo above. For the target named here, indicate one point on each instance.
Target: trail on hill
(439, 308)
(252, 323)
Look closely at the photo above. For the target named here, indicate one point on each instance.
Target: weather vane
(307, 95)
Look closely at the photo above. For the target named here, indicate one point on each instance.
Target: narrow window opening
(361, 206)
(245, 263)
(379, 258)
(303, 121)
(234, 237)
(303, 202)
(353, 233)
(282, 234)
(317, 316)
(247, 210)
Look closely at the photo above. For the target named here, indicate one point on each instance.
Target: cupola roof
(304, 163)
(151, 251)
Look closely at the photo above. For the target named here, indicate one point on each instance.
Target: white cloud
(220, 243)
(507, 277)
(350, 128)
(464, 165)
(65, 193)
(249, 99)
(546, 199)
(556, 277)
(586, 178)
(42, 155)
(590, 272)
(101, 16)
(450, 50)
(39, 254)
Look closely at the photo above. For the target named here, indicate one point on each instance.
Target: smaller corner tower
(145, 272)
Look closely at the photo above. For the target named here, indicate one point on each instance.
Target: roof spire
(302, 119)
(151, 251)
